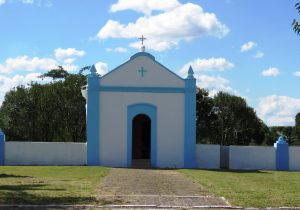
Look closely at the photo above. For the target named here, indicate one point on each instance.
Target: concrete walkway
(154, 188)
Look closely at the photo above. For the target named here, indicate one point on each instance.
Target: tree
(237, 123)
(46, 112)
(204, 117)
(296, 24)
(297, 128)
(58, 73)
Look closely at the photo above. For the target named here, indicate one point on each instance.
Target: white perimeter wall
(45, 153)
(294, 158)
(113, 127)
(252, 157)
(208, 156)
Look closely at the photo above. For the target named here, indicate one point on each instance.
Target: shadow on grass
(13, 176)
(27, 187)
(18, 194)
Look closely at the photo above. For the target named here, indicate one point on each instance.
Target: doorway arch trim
(151, 111)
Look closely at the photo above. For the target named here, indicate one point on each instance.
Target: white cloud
(278, 110)
(7, 83)
(165, 30)
(212, 83)
(200, 64)
(27, 1)
(2, 2)
(259, 55)
(102, 68)
(69, 52)
(118, 49)
(145, 6)
(64, 57)
(27, 64)
(297, 74)
(70, 67)
(69, 60)
(248, 46)
(215, 84)
(271, 72)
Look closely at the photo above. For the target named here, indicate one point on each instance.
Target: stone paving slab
(161, 201)
(156, 188)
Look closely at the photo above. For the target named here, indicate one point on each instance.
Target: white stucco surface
(252, 157)
(45, 153)
(155, 76)
(208, 156)
(294, 158)
(113, 127)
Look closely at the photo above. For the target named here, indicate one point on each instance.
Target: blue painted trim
(150, 111)
(190, 124)
(141, 89)
(93, 121)
(138, 55)
(282, 154)
(142, 54)
(2, 147)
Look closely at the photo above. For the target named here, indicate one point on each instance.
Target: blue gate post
(282, 154)
(2, 145)
(93, 119)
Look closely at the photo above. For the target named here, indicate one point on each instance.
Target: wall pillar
(2, 147)
(190, 121)
(282, 154)
(93, 118)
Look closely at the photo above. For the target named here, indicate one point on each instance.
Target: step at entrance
(141, 163)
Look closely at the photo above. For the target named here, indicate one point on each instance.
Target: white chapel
(141, 110)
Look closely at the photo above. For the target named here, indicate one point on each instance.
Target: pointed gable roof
(142, 70)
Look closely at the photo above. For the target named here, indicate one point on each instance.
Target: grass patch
(50, 184)
(251, 188)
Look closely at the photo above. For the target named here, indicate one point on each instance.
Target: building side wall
(45, 153)
(113, 127)
(252, 157)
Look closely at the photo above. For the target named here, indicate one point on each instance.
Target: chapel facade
(141, 110)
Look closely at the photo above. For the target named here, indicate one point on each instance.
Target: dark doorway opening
(141, 137)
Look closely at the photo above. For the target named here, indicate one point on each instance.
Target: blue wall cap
(190, 73)
(93, 71)
(281, 140)
(142, 54)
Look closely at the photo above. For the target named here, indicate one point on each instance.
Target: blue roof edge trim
(142, 54)
(147, 55)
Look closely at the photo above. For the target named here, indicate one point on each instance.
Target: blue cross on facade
(142, 71)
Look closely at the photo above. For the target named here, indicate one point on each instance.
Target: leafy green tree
(296, 24)
(237, 123)
(46, 112)
(286, 131)
(58, 73)
(296, 132)
(205, 117)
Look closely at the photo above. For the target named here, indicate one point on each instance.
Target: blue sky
(245, 47)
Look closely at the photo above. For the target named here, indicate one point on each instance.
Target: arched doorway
(141, 137)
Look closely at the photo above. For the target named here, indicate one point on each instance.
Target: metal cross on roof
(142, 38)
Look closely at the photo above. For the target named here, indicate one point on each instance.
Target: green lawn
(251, 188)
(50, 184)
